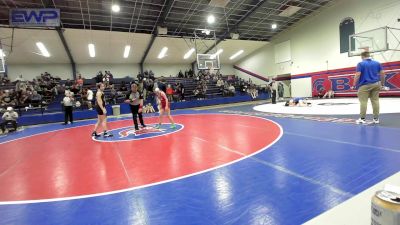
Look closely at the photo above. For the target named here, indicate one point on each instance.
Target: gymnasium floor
(222, 165)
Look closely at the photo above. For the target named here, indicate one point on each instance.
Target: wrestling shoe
(107, 134)
(94, 134)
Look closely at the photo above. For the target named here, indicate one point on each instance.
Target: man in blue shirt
(369, 79)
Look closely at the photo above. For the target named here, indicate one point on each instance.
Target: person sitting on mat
(329, 94)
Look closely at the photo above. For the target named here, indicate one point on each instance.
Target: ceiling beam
(153, 38)
(65, 44)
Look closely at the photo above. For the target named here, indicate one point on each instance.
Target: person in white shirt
(9, 117)
(68, 103)
(89, 99)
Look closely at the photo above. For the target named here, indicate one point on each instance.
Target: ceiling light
(115, 8)
(162, 53)
(42, 49)
(274, 26)
(2, 53)
(127, 50)
(92, 52)
(213, 56)
(236, 54)
(189, 53)
(211, 19)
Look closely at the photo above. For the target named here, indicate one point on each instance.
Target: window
(346, 29)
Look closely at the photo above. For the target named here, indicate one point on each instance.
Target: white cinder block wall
(315, 44)
(64, 71)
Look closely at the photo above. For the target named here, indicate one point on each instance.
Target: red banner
(342, 84)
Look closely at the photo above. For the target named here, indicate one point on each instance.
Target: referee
(135, 100)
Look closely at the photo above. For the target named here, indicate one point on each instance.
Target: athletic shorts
(99, 111)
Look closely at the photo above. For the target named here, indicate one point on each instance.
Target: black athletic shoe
(143, 126)
(94, 134)
(136, 128)
(106, 134)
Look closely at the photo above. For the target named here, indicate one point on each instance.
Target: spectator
(148, 108)
(169, 92)
(75, 89)
(1, 95)
(329, 94)
(231, 89)
(151, 75)
(106, 79)
(22, 100)
(9, 117)
(99, 77)
(191, 74)
(87, 96)
(140, 76)
(35, 98)
(113, 95)
(79, 81)
(180, 74)
(122, 88)
(150, 88)
(68, 103)
(253, 91)
(8, 99)
(161, 85)
(274, 88)
(182, 91)
(321, 92)
(68, 84)
(196, 93)
(220, 82)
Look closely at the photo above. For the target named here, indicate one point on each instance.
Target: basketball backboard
(2, 62)
(376, 40)
(208, 61)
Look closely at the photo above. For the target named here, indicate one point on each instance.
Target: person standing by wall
(369, 79)
(274, 88)
(68, 101)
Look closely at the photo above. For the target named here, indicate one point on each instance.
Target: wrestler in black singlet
(103, 102)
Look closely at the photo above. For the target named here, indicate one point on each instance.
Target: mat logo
(130, 134)
(147, 130)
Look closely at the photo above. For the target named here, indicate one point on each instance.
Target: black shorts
(99, 111)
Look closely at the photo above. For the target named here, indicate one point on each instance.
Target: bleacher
(53, 109)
